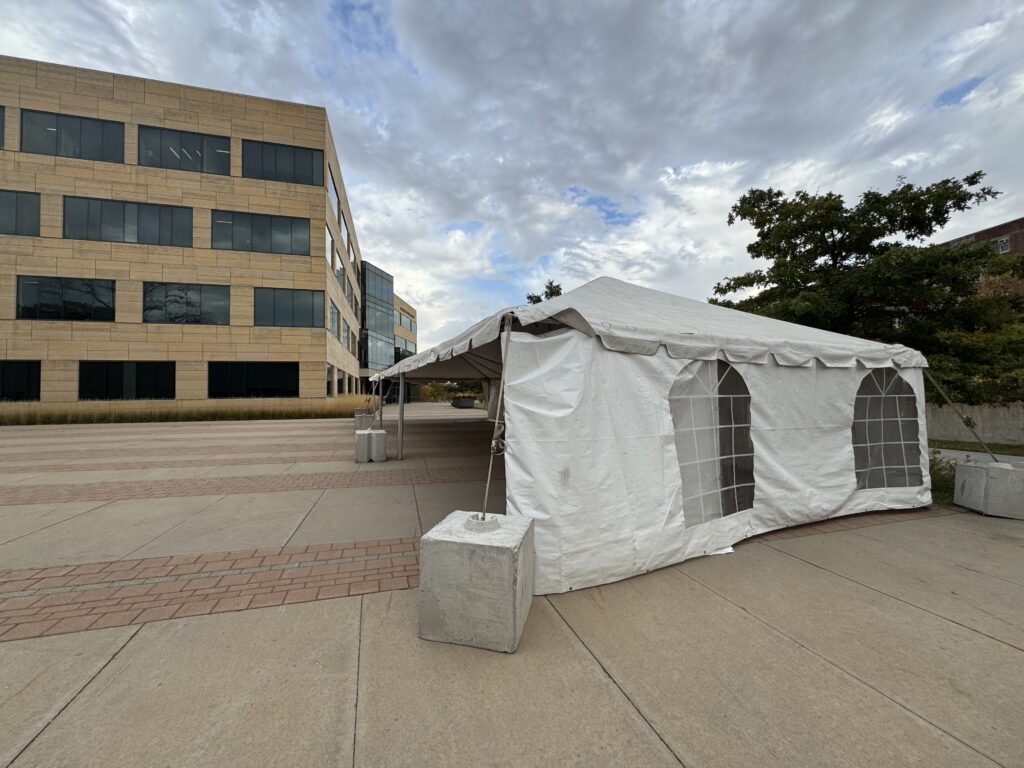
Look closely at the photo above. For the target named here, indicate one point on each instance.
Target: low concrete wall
(995, 423)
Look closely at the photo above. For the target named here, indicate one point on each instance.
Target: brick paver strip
(76, 598)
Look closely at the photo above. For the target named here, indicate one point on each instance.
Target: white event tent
(643, 428)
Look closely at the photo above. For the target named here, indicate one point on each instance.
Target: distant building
(388, 325)
(1005, 238)
(165, 243)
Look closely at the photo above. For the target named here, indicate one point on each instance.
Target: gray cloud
(468, 129)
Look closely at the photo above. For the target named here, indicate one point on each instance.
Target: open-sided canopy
(632, 319)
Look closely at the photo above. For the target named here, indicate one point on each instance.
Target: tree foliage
(863, 270)
(551, 289)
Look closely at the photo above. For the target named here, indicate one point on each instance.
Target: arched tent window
(886, 450)
(710, 407)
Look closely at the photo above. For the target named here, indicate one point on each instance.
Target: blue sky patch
(955, 95)
(611, 212)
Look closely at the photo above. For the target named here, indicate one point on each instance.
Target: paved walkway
(132, 632)
(91, 493)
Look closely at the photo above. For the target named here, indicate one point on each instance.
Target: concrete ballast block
(476, 585)
(1004, 491)
(363, 421)
(371, 445)
(969, 486)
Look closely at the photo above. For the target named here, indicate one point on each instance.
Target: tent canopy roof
(632, 319)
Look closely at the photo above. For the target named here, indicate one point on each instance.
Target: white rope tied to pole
(498, 438)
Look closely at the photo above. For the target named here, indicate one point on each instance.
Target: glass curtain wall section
(378, 331)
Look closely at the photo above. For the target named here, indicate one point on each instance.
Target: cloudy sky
(490, 145)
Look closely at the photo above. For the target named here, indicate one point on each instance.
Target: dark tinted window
(2, 127)
(47, 133)
(281, 162)
(235, 231)
(185, 303)
(288, 307)
(65, 298)
(19, 213)
(119, 222)
(19, 379)
(143, 380)
(253, 380)
(184, 150)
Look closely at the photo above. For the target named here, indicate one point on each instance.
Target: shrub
(943, 472)
(146, 411)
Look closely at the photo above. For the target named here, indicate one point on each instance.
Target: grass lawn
(965, 445)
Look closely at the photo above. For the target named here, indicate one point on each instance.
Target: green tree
(862, 270)
(551, 289)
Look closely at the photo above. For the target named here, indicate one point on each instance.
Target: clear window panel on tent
(710, 407)
(886, 447)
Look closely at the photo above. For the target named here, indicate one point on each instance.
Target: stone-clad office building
(169, 243)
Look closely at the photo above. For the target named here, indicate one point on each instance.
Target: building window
(19, 380)
(329, 248)
(233, 231)
(330, 378)
(65, 298)
(335, 321)
(288, 308)
(19, 213)
(344, 337)
(282, 162)
(253, 380)
(345, 238)
(886, 449)
(113, 221)
(1, 127)
(184, 150)
(186, 303)
(710, 407)
(46, 133)
(1003, 244)
(103, 380)
(332, 196)
(339, 273)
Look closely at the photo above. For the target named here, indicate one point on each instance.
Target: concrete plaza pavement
(889, 639)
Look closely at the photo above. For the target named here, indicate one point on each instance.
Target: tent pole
(497, 440)
(401, 413)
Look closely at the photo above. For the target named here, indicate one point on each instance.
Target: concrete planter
(993, 489)
(463, 402)
(476, 580)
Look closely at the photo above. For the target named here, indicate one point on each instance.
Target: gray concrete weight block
(371, 445)
(1004, 491)
(363, 421)
(969, 486)
(476, 583)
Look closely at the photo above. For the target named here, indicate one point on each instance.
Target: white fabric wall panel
(591, 457)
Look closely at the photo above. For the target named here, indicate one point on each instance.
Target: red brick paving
(74, 598)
